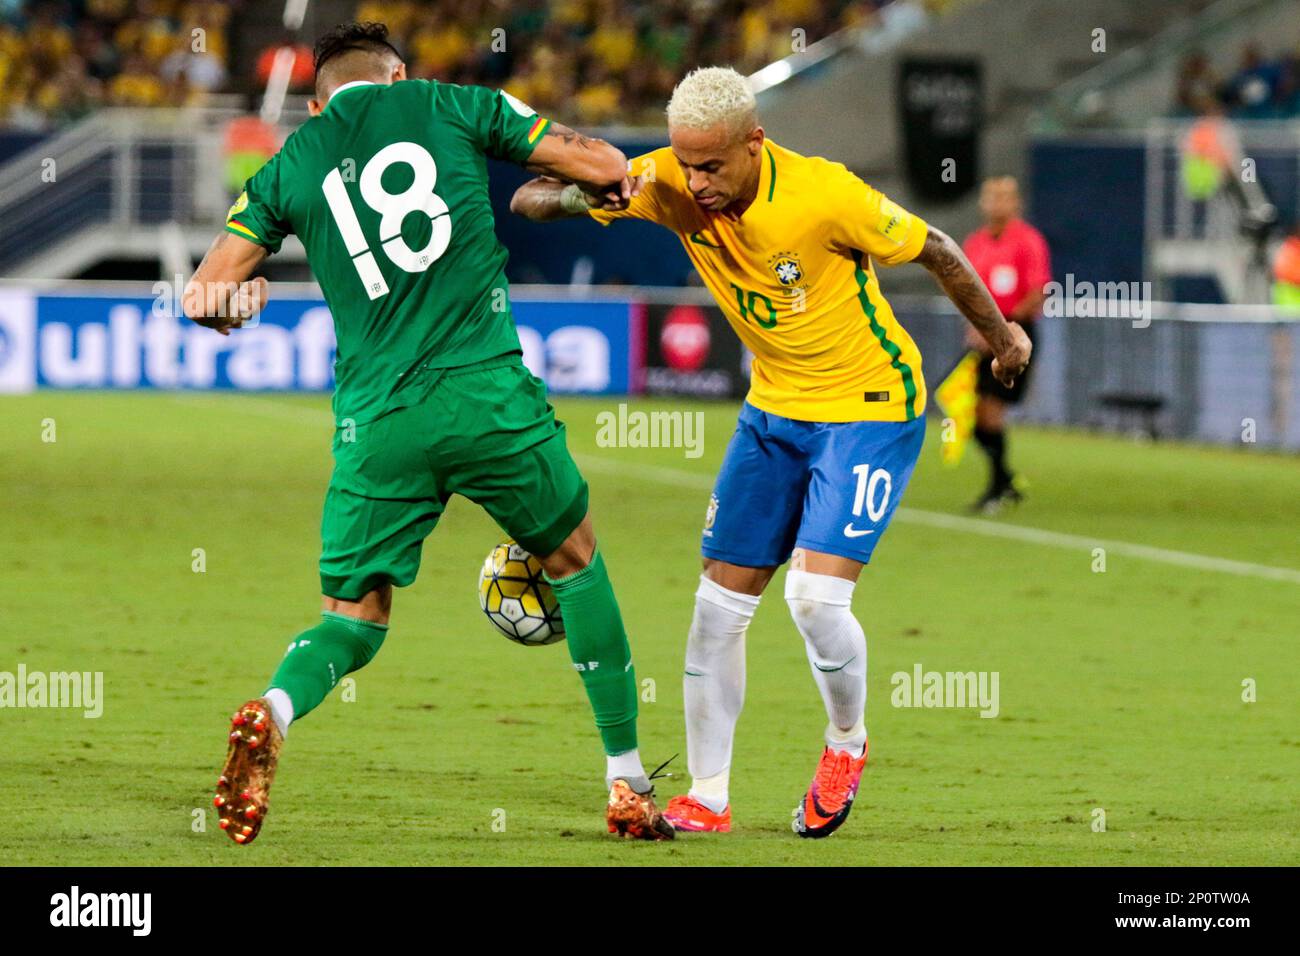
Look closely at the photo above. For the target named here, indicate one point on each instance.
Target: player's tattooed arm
(220, 295)
(545, 199)
(591, 163)
(962, 284)
(570, 136)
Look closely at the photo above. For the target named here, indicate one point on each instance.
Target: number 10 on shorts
(869, 493)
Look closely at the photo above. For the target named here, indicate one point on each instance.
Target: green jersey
(387, 189)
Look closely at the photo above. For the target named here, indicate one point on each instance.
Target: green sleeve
(504, 127)
(256, 214)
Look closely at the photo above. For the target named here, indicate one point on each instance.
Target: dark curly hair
(368, 37)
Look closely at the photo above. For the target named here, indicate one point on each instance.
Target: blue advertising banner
(108, 341)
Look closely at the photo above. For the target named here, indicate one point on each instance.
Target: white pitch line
(989, 529)
(1057, 539)
(695, 481)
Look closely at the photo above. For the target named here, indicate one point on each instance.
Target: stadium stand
(1263, 86)
(60, 61)
(607, 60)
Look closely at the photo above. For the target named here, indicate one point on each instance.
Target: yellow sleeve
(646, 204)
(866, 219)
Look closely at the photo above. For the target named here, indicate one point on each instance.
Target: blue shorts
(824, 486)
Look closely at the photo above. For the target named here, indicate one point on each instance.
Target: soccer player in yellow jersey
(834, 420)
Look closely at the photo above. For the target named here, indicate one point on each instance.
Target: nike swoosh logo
(852, 532)
(697, 237)
(832, 670)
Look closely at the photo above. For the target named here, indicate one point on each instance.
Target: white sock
(713, 687)
(821, 606)
(712, 791)
(281, 709)
(852, 741)
(627, 766)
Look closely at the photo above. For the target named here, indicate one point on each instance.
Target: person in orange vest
(1286, 272)
(1209, 152)
(248, 143)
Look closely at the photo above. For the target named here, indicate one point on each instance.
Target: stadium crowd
(60, 60)
(1262, 86)
(600, 60)
(604, 60)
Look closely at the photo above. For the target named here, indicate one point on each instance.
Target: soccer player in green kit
(386, 187)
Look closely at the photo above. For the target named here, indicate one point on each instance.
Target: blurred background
(1157, 146)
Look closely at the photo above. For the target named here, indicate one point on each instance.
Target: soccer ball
(516, 598)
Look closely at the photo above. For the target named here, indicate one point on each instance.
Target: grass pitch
(1120, 691)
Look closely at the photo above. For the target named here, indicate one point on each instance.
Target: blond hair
(711, 95)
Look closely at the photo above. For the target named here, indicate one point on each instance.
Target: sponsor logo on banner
(693, 351)
(99, 341)
(573, 358)
(578, 346)
(17, 342)
(103, 342)
(685, 339)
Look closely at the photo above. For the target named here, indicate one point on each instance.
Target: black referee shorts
(990, 386)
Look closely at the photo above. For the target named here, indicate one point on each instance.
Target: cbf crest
(787, 268)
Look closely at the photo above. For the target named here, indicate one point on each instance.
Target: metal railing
(122, 169)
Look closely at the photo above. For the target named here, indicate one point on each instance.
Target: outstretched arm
(592, 163)
(961, 283)
(220, 295)
(545, 198)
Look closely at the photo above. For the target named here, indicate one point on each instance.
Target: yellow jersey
(794, 277)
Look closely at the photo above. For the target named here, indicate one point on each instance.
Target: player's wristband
(572, 200)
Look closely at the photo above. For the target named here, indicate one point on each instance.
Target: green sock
(599, 649)
(320, 657)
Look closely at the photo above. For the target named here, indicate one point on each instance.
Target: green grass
(1119, 690)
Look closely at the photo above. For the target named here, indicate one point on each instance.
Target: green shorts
(485, 432)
